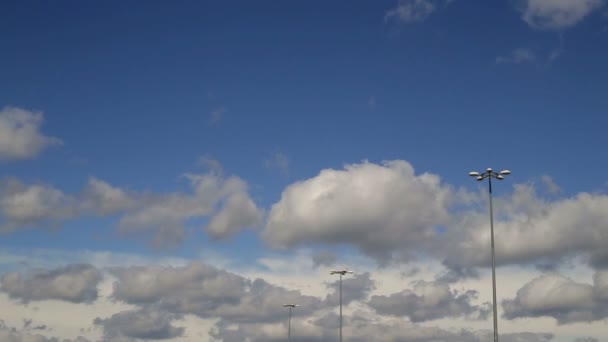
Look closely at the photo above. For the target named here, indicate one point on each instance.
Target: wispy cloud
(517, 56)
(410, 11)
(217, 115)
(279, 162)
(550, 184)
(372, 103)
(558, 14)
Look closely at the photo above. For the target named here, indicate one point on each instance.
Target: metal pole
(340, 308)
(289, 326)
(493, 262)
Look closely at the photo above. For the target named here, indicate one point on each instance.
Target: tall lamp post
(290, 306)
(341, 274)
(489, 174)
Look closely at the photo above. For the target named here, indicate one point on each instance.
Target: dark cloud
(586, 339)
(11, 334)
(205, 291)
(456, 273)
(75, 283)
(355, 288)
(429, 301)
(324, 259)
(146, 324)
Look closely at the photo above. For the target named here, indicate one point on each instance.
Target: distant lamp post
(341, 274)
(489, 174)
(290, 306)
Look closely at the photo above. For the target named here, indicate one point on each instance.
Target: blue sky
(258, 97)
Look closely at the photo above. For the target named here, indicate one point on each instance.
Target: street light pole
(489, 174)
(290, 306)
(341, 273)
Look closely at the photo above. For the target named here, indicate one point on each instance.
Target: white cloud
(225, 201)
(562, 298)
(20, 136)
(558, 14)
(409, 11)
(238, 212)
(24, 205)
(517, 56)
(529, 229)
(379, 208)
(104, 199)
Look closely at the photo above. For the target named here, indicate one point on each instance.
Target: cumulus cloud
(562, 298)
(379, 208)
(102, 198)
(34, 205)
(557, 14)
(429, 301)
(166, 214)
(390, 213)
(517, 56)
(409, 11)
(76, 283)
(23, 205)
(208, 292)
(238, 212)
(145, 324)
(20, 136)
(529, 228)
(225, 201)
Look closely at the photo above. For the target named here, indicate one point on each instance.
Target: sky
(176, 171)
